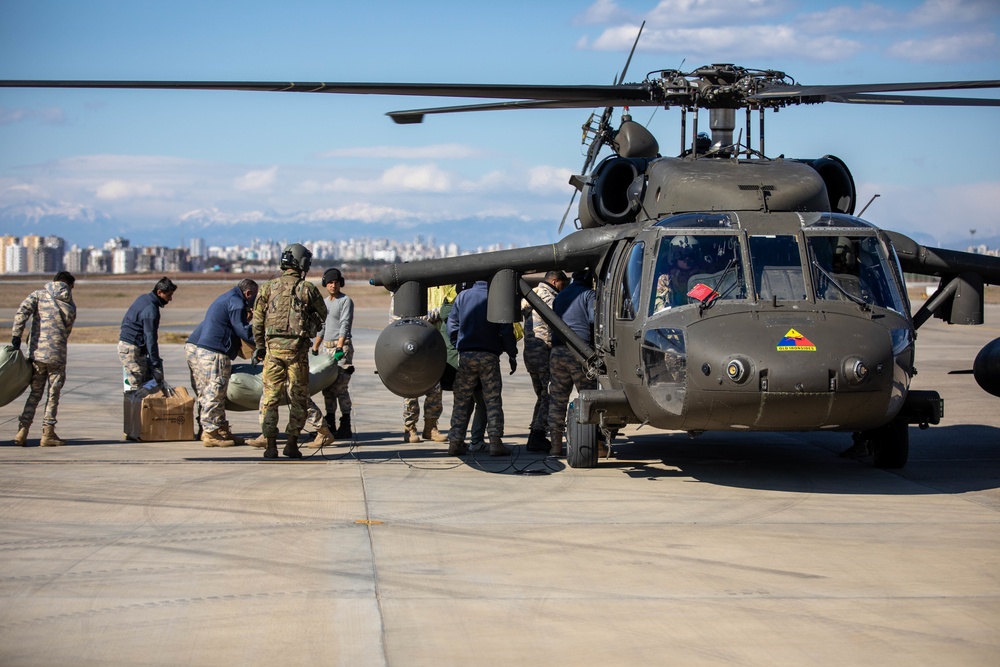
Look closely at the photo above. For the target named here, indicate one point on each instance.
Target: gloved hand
(339, 354)
(513, 365)
(315, 352)
(258, 355)
(158, 373)
(15, 342)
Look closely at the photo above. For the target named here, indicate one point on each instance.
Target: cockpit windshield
(853, 268)
(696, 269)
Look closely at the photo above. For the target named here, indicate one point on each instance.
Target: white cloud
(602, 11)
(548, 179)
(432, 152)
(425, 178)
(936, 12)
(363, 211)
(760, 41)
(415, 178)
(866, 18)
(114, 190)
(217, 216)
(955, 48)
(718, 12)
(254, 181)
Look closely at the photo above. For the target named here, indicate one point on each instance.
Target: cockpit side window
(631, 283)
(696, 269)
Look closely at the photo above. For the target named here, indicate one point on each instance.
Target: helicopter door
(627, 302)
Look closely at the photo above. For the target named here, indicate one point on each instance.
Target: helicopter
(735, 291)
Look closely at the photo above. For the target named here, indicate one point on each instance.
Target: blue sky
(159, 166)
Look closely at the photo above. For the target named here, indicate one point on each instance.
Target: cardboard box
(159, 418)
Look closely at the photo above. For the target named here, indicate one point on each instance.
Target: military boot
(497, 447)
(411, 435)
(537, 442)
(259, 442)
(431, 431)
(49, 437)
(324, 436)
(556, 449)
(457, 448)
(216, 438)
(271, 451)
(343, 431)
(291, 449)
(226, 431)
(21, 439)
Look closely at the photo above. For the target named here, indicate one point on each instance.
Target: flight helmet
(296, 256)
(683, 247)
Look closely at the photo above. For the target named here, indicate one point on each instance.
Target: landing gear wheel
(581, 441)
(890, 445)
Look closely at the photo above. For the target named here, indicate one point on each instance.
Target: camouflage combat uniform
(52, 314)
(210, 373)
(210, 351)
(135, 365)
(537, 348)
(337, 393)
(286, 316)
(479, 344)
(433, 407)
(567, 370)
(575, 305)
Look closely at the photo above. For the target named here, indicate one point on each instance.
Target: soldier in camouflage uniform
(433, 407)
(537, 348)
(575, 305)
(210, 351)
(52, 314)
(439, 300)
(286, 317)
(479, 343)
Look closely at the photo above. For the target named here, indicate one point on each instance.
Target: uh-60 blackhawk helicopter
(736, 292)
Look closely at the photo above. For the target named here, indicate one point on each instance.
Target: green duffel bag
(15, 373)
(246, 386)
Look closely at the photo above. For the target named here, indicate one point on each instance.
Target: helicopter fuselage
(772, 321)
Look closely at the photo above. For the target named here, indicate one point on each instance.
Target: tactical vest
(289, 314)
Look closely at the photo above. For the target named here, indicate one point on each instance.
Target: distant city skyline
(118, 255)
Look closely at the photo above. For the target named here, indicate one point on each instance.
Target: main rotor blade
(630, 54)
(774, 91)
(633, 92)
(913, 100)
(408, 116)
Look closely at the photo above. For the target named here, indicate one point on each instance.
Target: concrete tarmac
(761, 549)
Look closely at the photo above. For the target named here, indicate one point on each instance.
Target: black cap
(331, 275)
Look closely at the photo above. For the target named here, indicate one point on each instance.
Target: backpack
(289, 314)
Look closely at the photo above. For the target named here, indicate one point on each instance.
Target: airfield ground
(724, 549)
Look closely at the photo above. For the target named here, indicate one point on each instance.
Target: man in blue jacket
(575, 305)
(210, 351)
(138, 346)
(479, 343)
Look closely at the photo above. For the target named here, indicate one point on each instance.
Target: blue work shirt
(575, 305)
(470, 331)
(225, 324)
(141, 325)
